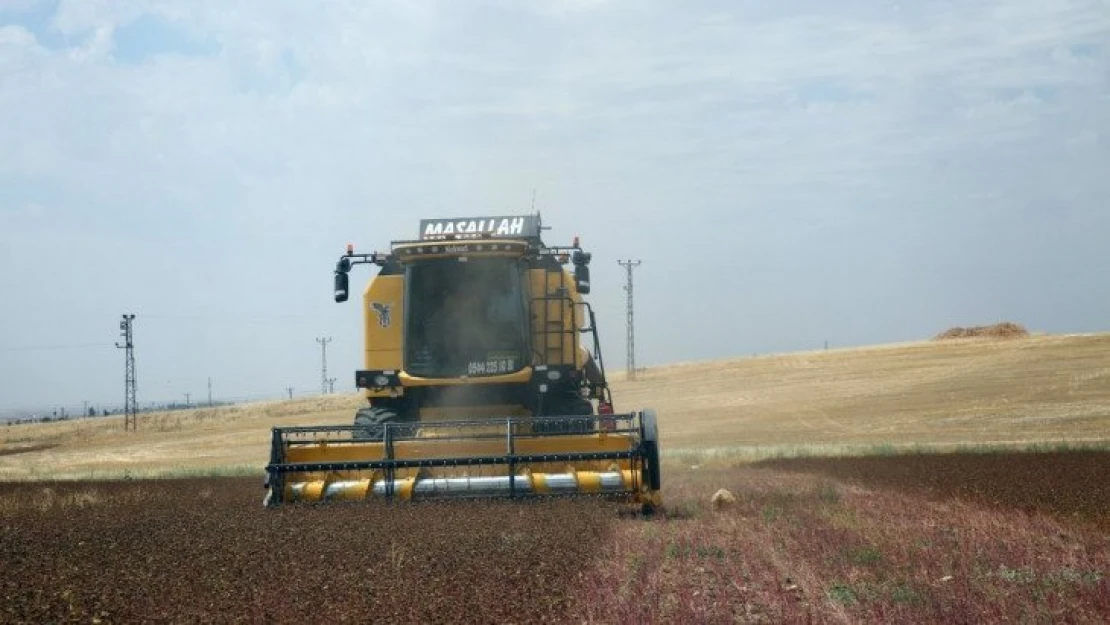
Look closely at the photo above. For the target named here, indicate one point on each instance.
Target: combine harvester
(476, 379)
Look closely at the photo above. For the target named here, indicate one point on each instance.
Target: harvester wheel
(369, 422)
(650, 445)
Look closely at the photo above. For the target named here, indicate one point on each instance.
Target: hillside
(1040, 388)
(1021, 390)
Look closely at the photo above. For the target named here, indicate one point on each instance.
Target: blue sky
(789, 173)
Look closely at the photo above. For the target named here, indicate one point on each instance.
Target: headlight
(381, 380)
(554, 374)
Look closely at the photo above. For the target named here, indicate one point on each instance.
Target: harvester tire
(369, 422)
(650, 446)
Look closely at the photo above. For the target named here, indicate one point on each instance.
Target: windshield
(464, 318)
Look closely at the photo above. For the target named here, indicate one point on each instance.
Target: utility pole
(331, 385)
(209, 391)
(186, 400)
(289, 389)
(130, 408)
(324, 363)
(631, 321)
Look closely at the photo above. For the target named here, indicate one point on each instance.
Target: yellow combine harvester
(476, 378)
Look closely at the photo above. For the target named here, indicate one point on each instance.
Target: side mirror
(340, 286)
(582, 278)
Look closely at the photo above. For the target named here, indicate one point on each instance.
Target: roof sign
(525, 227)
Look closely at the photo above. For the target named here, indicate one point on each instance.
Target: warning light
(605, 420)
(350, 249)
(576, 240)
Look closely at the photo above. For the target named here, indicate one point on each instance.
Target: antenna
(631, 364)
(130, 408)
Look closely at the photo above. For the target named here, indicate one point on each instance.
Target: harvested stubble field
(835, 540)
(894, 537)
(934, 394)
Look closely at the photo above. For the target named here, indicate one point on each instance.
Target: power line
(130, 407)
(631, 321)
(70, 346)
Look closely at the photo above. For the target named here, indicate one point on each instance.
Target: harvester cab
(478, 380)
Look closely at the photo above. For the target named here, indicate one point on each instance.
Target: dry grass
(883, 399)
(945, 393)
(167, 444)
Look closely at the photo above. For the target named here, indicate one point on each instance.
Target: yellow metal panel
(382, 312)
(547, 335)
(406, 489)
(414, 257)
(523, 375)
(313, 490)
(458, 448)
(423, 250)
(539, 483)
(588, 482)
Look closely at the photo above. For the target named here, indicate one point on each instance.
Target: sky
(789, 173)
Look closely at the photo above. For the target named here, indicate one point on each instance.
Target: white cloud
(18, 50)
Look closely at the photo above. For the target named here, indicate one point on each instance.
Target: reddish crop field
(904, 539)
(1070, 485)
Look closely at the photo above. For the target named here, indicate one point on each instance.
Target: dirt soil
(1003, 330)
(205, 550)
(990, 538)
